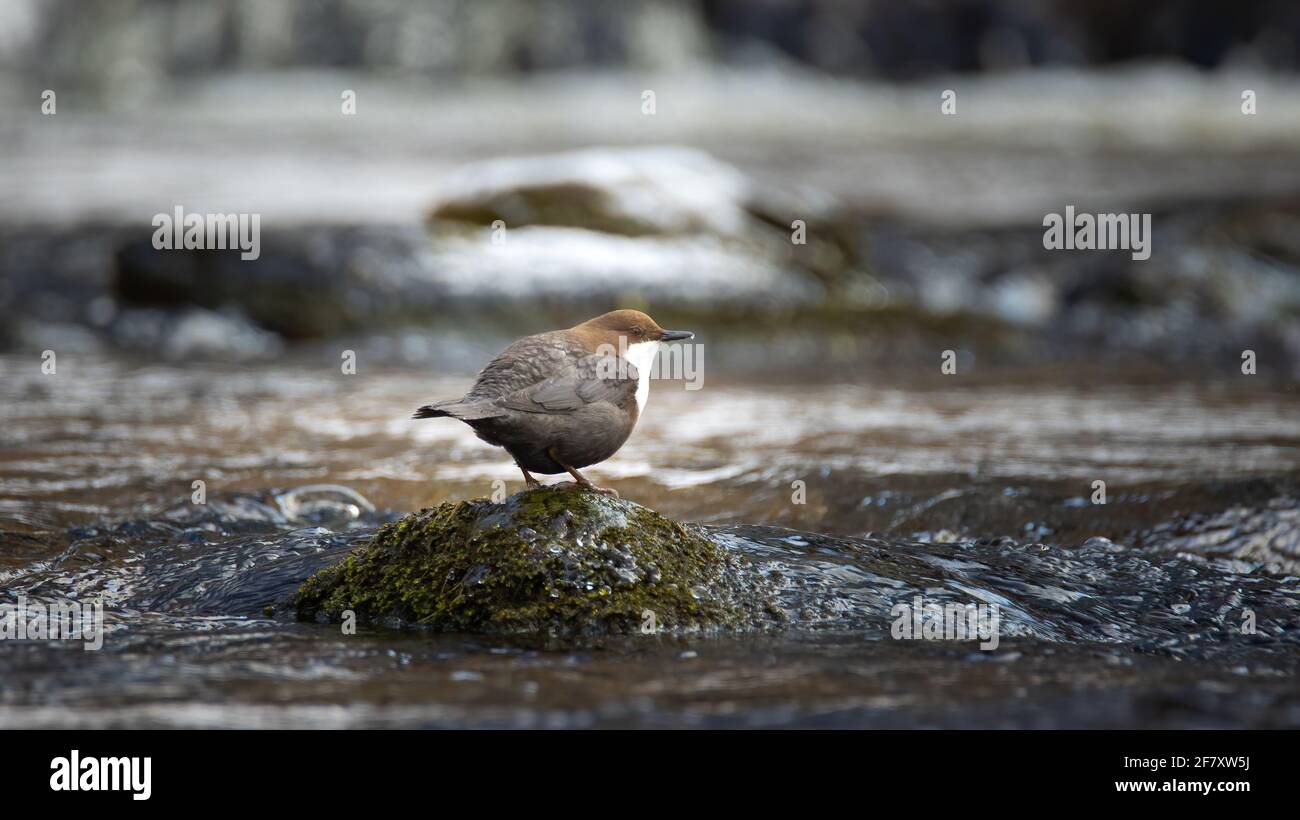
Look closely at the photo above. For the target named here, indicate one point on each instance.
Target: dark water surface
(967, 491)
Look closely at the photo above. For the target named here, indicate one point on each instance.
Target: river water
(863, 486)
(958, 489)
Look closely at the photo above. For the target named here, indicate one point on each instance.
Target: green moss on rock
(549, 561)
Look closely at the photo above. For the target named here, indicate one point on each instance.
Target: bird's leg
(529, 482)
(579, 477)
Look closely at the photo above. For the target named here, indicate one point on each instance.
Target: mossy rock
(553, 561)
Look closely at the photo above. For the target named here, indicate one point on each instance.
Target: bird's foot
(586, 486)
(530, 482)
(578, 478)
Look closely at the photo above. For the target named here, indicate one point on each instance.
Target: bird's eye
(636, 331)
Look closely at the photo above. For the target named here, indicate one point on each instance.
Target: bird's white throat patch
(642, 357)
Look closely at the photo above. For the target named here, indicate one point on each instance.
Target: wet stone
(479, 566)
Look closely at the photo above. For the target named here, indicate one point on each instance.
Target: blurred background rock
(924, 230)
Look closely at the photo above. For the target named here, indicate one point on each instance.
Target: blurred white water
(1019, 144)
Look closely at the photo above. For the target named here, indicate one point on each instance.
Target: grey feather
(594, 378)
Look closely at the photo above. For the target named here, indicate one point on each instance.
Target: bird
(565, 399)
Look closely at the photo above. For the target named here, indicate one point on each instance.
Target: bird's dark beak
(674, 335)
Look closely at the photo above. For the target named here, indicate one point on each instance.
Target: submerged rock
(550, 561)
(630, 191)
(669, 224)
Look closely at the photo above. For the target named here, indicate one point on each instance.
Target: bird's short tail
(458, 409)
(430, 411)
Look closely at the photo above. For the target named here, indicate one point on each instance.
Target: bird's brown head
(631, 325)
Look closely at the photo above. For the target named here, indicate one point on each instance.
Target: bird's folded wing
(592, 379)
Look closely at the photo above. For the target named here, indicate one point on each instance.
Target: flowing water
(1173, 604)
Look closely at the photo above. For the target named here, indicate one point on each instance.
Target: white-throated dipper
(566, 399)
